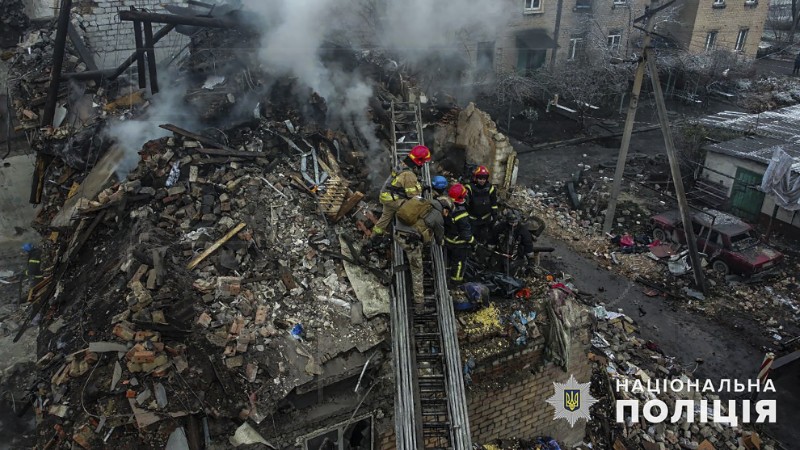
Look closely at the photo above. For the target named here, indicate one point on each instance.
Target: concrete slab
(16, 213)
(97, 180)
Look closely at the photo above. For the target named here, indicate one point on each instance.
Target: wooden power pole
(675, 169)
(628, 129)
(648, 60)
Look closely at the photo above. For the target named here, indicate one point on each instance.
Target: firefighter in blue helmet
(439, 184)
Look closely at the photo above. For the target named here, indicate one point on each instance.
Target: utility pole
(680, 194)
(629, 118)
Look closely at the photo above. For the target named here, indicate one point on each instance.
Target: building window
(620, 2)
(344, 436)
(741, 38)
(529, 59)
(485, 62)
(575, 46)
(583, 5)
(614, 40)
(718, 4)
(533, 6)
(711, 40)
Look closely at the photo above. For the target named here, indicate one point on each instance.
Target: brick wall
(508, 398)
(110, 39)
(728, 21)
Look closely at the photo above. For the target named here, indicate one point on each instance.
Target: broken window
(575, 47)
(711, 40)
(740, 39)
(614, 40)
(530, 59)
(533, 6)
(350, 435)
(485, 56)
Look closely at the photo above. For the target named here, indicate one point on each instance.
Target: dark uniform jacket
(457, 229)
(34, 270)
(481, 201)
(520, 235)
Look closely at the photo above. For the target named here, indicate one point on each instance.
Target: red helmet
(420, 155)
(458, 193)
(480, 172)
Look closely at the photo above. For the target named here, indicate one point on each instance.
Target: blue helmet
(439, 183)
(27, 247)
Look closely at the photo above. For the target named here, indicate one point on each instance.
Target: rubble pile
(619, 355)
(765, 94)
(212, 289)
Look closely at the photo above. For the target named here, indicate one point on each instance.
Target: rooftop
(782, 124)
(758, 149)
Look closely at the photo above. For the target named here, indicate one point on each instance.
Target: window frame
(574, 43)
(620, 2)
(711, 40)
(609, 40)
(741, 39)
(532, 10)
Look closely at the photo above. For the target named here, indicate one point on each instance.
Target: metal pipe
(150, 45)
(58, 61)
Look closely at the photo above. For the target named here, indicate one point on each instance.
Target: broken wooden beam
(227, 152)
(348, 205)
(207, 22)
(80, 47)
(201, 139)
(199, 258)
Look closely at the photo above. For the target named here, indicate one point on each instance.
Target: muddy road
(732, 349)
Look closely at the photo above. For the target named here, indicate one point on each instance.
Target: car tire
(659, 234)
(720, 267)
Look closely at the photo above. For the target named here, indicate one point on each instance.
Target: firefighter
(481, 204)
(34, 268)
(458, 233)
(401, 185)
(428, 226)
(439, 184)
(514, 235)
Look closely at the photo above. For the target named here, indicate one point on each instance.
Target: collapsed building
(204, 286)
(203, 282)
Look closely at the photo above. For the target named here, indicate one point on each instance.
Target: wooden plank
(199, 258)
(348, 205)
(227, 152)
(201, 139)
(83, 52)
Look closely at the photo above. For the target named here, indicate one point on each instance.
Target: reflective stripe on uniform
(36, 261)
(461, 216)
(458, 276)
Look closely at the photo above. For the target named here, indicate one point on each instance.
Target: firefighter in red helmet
(481, 204)
(458, 233)
(401, 185)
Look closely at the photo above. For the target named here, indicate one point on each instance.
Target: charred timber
(207, 22)
(111, 74)
(58, 61)
(150, 44)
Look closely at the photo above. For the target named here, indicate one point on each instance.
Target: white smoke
(165, 107)
(294, 32)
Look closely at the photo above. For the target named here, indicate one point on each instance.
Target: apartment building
(544, 33)
(710, 25)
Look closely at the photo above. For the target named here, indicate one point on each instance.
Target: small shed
(732, 175)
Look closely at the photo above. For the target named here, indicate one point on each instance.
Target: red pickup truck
(732, 245)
